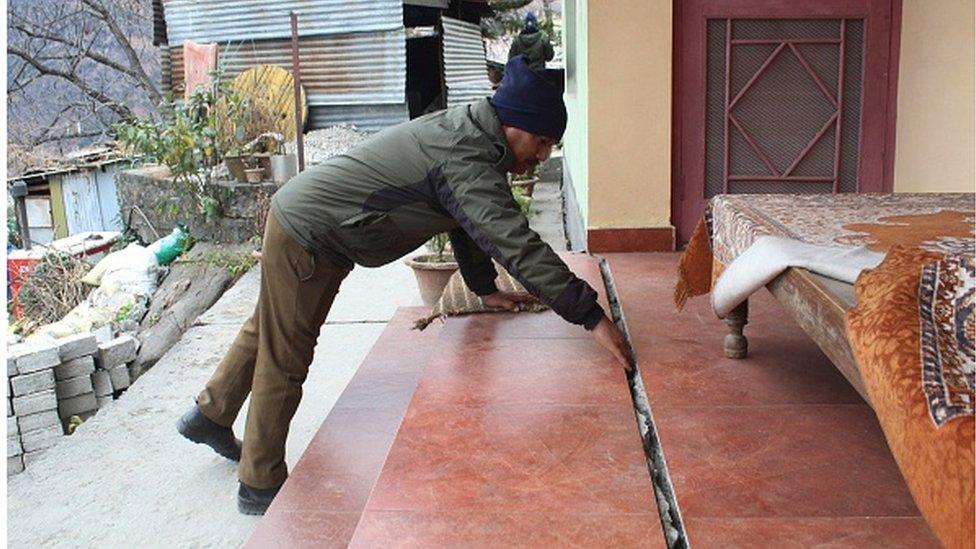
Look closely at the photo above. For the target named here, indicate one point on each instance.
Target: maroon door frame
(882, 24)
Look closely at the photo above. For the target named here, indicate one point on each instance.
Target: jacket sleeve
(550, 53)
(476, 267)
(478, 197)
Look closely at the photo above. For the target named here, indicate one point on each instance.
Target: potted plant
(235, 162)
(525, 181)
(523, 200)
(433, 269)
(253, 171)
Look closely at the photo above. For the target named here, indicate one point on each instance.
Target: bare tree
(74, 67)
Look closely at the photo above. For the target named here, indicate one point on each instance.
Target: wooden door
(777, 96)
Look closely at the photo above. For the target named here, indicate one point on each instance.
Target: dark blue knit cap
(528, 101)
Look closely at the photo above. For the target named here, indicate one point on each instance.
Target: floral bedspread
(911, 332)
(939, 222)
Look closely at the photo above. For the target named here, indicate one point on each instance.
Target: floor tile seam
(344, 400)
(507, 338)
(373, 356)
(356, 321)
(526, 512)
(828, 466)
(427, 405)
(816, 518)
(774, 406)
(665, 497)
(396, 429)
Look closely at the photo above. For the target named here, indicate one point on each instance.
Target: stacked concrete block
(77, 346)
(50, 381)
(32, 424)
(15, 452)
(76, 395)
(104, 334)
(114, 356)
(40, 420)
(34, 358)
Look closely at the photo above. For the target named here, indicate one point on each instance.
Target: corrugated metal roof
(336, 70)
(159, 23)
(440, 4)
(365, 117)
(465, 68)
(166, 69)
(227, 20)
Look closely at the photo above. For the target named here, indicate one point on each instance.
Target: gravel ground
(320, 145)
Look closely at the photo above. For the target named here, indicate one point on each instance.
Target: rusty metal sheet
(226, 20)
(465, 67)
(367, 68)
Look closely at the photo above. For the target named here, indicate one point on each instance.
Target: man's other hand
(612, 339)
(509, 301)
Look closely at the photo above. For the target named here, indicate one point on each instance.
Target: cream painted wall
(629, 118)
(934, 141)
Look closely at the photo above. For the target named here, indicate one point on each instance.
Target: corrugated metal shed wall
(366, 117)
(336, 70)
(353, 53)
(90, 199)
(465, 70)
(228, 20)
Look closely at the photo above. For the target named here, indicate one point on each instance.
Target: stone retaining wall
(150, 196)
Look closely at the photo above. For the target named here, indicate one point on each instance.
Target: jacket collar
(484, 117)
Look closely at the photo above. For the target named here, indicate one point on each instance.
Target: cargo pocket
(369, 232)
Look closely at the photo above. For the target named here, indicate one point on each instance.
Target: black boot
(255, 501)
(200, 429)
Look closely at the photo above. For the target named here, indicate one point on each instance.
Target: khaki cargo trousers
(271, 355)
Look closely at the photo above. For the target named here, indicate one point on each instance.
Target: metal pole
(18, 191)
(297, 77)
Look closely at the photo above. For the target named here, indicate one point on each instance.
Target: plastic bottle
(170, 246)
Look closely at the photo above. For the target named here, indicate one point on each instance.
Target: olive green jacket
(534, 46)
(444, 172)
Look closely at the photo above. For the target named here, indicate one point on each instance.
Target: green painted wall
(575, 141)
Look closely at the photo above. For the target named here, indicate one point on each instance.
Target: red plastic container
(20, 263)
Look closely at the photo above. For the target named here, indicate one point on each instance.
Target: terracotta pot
(235, 165)
(528, 185)
(431, 276)
(254, 175)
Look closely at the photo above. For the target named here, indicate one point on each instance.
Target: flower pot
(254, 175)
(527, 185)
(235, 165)
(432, 276)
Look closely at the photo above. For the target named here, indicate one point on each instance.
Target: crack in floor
(667, 503)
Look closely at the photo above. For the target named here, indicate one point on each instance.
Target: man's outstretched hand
(606, 332)
(612, 339)
(509, 301)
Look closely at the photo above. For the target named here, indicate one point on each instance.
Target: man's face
(528, 149)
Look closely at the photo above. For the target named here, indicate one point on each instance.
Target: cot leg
(736, 344)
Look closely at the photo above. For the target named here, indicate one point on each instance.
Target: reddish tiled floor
(323, 499)
(541, 458)
(801, 533)
(523, 371)
(775, 450)
(521, 431)
(480, 529)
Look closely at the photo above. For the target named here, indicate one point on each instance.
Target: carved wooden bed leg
(736, 344)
